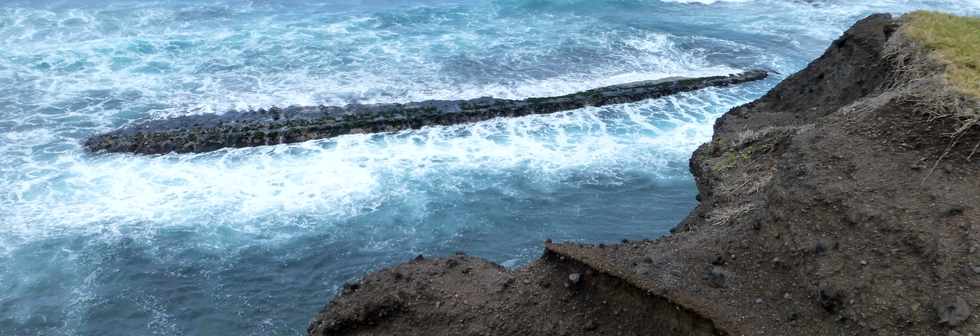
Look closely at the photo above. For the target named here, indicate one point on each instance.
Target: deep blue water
(255, 241)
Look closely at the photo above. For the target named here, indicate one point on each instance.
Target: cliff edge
(846, 201)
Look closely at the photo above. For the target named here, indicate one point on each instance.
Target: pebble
(953, 311)
(819, 249)
(758, 301)
(717, 276)
(574, 278)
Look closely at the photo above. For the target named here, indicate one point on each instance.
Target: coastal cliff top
(955, 40)
(939, 56)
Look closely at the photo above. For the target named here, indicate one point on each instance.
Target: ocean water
(255, 241)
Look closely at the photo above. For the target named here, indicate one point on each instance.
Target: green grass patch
(955, 40)
(733, 158)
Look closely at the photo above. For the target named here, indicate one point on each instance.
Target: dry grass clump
(937, 57)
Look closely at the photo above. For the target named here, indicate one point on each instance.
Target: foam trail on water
(90, 70)
(344, 177)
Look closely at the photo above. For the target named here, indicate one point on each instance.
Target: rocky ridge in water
(204, 133)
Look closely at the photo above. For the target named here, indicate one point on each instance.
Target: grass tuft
(954, 40)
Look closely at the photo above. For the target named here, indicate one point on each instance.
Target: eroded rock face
(468, 296)
(204, 133)
(819, 199)
(833, 205)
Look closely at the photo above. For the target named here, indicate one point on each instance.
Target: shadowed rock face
(204, 133)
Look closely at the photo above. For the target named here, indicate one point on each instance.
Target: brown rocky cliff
(830, 206)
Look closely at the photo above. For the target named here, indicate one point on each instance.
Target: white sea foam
(83, 71)
(66, 73)
(705, 2)
(91, 70)
(80, 71)
(346, 176)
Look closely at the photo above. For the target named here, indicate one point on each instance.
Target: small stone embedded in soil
(717, 276)
(953, 311)
(574, 278)
(719, 261)
(830, 299)
(820, 249)
(954, 211)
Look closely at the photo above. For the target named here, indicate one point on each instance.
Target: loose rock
(953, 311)
(717, 276)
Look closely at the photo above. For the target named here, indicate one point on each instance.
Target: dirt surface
(825, 210)
(465, 295)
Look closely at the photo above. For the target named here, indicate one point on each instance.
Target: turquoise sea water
(255, 241)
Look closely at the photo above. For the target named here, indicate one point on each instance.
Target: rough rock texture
(830, 206)
(203, 133)
(468, 296)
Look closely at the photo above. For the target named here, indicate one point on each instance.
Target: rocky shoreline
(837, 204)
(204, 133)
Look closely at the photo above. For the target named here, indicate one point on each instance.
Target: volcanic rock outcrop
(846, 201)
(204, 133)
